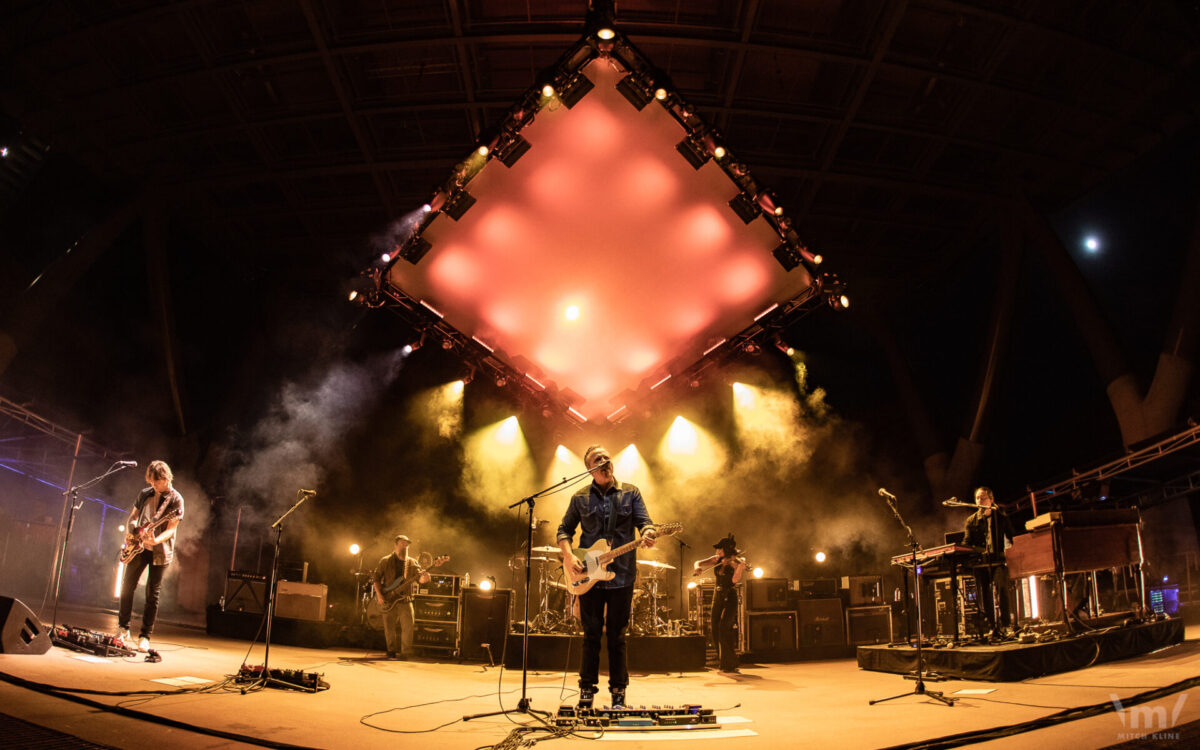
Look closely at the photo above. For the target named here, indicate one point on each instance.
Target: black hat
(728, 545)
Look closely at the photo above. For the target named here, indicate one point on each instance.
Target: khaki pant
(400, 618)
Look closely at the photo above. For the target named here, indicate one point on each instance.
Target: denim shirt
(589, 509)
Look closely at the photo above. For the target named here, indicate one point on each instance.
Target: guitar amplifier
(440, 585)
(443, 635)
(821, 622)
(766, 594)
(439, 608)
(867, 625)
(771, 633)
(300, 601)
(245, 592)
(863, 590)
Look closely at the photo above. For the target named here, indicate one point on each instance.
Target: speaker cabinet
(440, 635)
(484, 620)
(867, 625)
(245, 595)
(821, 622)
(766, 594)
(863, 591)
(300, 601)
(21, 632)
(771, 632)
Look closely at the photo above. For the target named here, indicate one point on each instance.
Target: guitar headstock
(439, 561)
(667, 529)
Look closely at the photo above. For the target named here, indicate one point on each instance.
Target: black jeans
(133, 572)
(724, 615)
(604, 610)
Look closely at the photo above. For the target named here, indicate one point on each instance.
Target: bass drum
(374, 615)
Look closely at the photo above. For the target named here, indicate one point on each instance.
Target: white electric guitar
(596, 559)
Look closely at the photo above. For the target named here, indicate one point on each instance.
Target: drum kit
(558, 610)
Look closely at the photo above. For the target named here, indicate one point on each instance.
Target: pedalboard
(637, 718)
(89, 641)
(291, 679)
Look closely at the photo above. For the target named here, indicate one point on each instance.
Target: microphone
(307, 493)
(885, 493)
(127, 464)
(601, 465)
(951, 502)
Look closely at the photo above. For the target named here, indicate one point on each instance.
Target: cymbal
(546, 548)
(656, 564)
(542, 559)
(360, 572)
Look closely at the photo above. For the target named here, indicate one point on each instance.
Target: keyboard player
(986, 530)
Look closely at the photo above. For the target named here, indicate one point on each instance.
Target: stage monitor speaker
(245, 595)
(766, 594)
(21, 632)
(300, 601)
(293, 570)
(868, 625)
(484, 620)
(771, 632)
(821, 622)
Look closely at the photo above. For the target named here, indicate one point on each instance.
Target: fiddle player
(727, 569)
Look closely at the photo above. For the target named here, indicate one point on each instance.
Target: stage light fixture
(353, 295)
(751, 347)
(571, 313)
(820, 557)
(427, 208)
(787, 255)
(486, 584)
(501, 381)
(415, 249)
(691, 585)
(121, 528)
(719, 153)
(458, 204)
(660, 93)
(606, 34)
(447, 344)
(744, 208)
(482, 151)
(694, 383)
(513, 150)
(575, 89)
(844, 301)
(635, 90)
(407, 349)
(693, 151)
(547, 91)
(468, 374)
(758, 572)
(355, 549)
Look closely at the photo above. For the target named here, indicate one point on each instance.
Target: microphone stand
(76, 504)
(265, 679)
(683, 605)
(919, 675)
(523, 705)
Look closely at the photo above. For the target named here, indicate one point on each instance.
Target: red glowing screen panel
(601, 260)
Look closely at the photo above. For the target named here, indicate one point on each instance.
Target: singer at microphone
(986, 530)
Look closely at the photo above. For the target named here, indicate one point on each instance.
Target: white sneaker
(143, 643)
(124, 637)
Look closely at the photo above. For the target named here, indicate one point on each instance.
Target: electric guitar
(397, 590)
(596, 559)
(133, 537)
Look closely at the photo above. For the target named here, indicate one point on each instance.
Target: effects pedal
(637, 718)
(290, 679)
(89, 641)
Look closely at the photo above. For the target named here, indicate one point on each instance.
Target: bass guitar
(133, 537)
(596, 559)
(397, 590)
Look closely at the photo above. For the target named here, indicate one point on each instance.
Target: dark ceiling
(894, 131)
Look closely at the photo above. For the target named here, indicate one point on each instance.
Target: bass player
(393, 568)
(152, 523)
(610, 510)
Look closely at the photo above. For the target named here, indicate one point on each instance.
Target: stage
(369, 699)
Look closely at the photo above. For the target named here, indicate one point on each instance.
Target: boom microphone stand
(523, 705)
(76, 504)
(919, 675)
(266, 679)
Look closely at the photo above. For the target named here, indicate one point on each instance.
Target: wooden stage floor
(409, 704)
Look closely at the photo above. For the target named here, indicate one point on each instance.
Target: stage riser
(1010, 663)
(643, 653)
(284, 630)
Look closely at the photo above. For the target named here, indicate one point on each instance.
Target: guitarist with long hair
(610, 510)
(152, 525)
(398, 620)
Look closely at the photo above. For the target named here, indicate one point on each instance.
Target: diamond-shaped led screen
(601, 260)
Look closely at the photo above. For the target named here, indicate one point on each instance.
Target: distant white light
(572, 312)
(407, 349)
(1092, 243)
(820, 557)
(355, 549)
(485, 585)
(3, 152)
(606, 33)
(385, 257)
(719, 152)
(547, 91)
(758, 572)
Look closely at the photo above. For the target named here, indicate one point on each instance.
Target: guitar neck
(616, 552)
